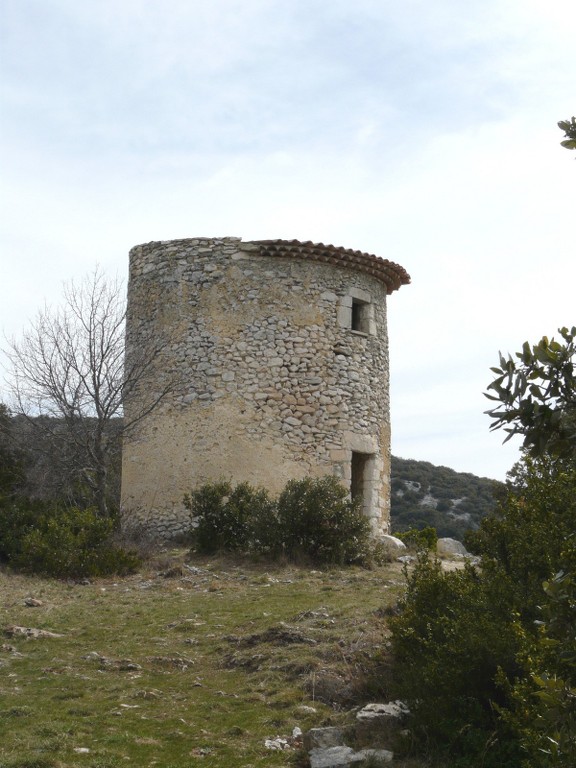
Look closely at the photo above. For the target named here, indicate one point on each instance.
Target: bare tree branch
(68, 378)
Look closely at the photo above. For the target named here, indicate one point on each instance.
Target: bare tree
(67, 377)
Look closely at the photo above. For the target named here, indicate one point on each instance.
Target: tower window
(356, 312)
(360, 316)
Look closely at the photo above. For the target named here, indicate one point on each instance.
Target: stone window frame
(356, 312)
(361, 475)
(364, 447)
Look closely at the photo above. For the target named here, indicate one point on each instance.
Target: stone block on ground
(379, 725)
(331, 757)
(323, 738)
(346, 757)
(378, 755)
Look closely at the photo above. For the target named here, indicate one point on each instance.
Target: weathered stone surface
(331, 757)
(344, 757)
(29, 632)
(447, 547)
(393, 544)
(33, 602)
(270, 380)
(277, 744)
(323, 738)
(379, 725)
(378, 755)
(395, 710)
(304, 709)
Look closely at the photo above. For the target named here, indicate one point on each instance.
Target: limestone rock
(344, 757)
(277, 744)
(396, 710)
(379, 725)
(393, 544)
(378, 755)
(304, 709)
(450, 547)
(332, 757)
(323, 738)
(29, 632)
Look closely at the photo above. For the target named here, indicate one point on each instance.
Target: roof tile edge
(388, 272)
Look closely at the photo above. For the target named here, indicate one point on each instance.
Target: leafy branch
(537, 395)
(569, 128)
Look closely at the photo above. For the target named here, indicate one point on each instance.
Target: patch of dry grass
(186, 662)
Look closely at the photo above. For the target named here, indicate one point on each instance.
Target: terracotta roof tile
(392, 275)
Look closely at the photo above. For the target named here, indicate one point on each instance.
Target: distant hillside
(452, 502)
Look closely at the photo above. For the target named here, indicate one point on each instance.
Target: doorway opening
(359, 476)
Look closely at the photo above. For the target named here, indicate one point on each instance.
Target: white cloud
(425, 133)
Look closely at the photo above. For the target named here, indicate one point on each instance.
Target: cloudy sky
(424, 132)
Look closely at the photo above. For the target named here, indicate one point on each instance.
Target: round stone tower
(275, 353)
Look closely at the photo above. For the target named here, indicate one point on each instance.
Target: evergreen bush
(63, 543)
(454, 636)
(18, 516)
(230, 519)
(419, 538)
(317, 519)
(488, 654)
(312, 518)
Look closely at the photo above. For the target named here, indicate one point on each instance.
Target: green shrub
(18, 517)
(419, 539)
(526, 535)
(74, 543)
(231, 519)
(312, 518)
(11, 459)
(208, 506)
(64, 543)
(454, 636)
(317, 519)
(489, 653)
(544, 711)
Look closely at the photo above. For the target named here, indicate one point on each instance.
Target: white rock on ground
(344, 757)
(450, 547)
(392, 543)
(393, 709)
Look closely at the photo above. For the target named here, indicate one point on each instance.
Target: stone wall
(279, 365)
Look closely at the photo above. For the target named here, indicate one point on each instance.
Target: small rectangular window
(360, 316)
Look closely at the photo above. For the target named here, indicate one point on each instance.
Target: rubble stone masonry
(277, 356)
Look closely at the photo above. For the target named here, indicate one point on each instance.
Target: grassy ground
(187, 663)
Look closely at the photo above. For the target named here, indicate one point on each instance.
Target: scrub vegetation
(486, 656)
(188, 662)
(312, 519)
